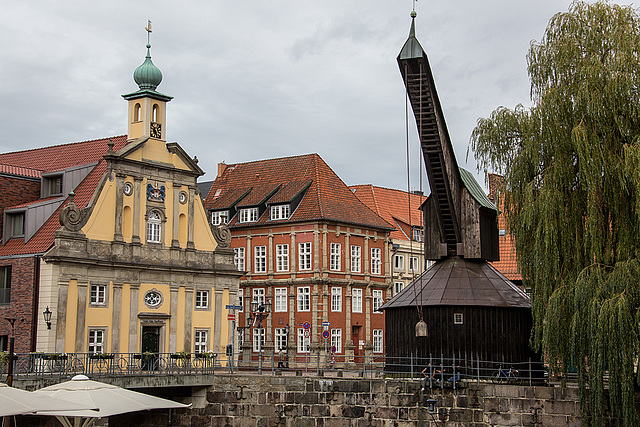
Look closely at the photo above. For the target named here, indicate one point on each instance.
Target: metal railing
(433, 372)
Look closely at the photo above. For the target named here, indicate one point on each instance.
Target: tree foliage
(571, 167)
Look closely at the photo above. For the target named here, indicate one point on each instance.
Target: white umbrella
(109, 399)
(14, 401)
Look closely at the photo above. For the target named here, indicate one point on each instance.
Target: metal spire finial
(148, 28)
(413, 12)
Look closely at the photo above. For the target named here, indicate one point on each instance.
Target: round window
(153, 298)
(128, 189)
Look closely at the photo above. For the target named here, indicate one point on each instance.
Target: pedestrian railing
(431, 371)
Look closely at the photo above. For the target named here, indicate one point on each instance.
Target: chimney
(222, 166)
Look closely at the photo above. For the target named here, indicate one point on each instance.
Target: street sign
(325, 334)
(306, 333)
(231, 317)
(306, 325)
(326, 323)
(234, 307)
(333, 349)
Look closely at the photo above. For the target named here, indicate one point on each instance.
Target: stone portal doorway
(150, 347)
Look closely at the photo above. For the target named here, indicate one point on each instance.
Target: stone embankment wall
(337, 402)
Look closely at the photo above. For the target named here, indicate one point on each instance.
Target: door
(355, 338)
(150, 347)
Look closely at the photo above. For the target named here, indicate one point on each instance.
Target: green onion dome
(147, 75)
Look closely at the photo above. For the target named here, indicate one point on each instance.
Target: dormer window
(219, 217)
(280, 212)
(52, 185)
(15, 224)
(418, 234)
(249, 215)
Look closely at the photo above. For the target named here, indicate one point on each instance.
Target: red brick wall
(20, 306)
(15, 191)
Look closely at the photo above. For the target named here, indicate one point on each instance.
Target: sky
(262, 79)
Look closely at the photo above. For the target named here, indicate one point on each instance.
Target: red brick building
(313, 250)
(507, 264)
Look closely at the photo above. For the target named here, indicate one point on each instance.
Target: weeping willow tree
(571, 167)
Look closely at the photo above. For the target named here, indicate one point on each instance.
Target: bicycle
(511, 376)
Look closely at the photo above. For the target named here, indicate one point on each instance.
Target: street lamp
(260, 310)
(47, 317)
(12, 340)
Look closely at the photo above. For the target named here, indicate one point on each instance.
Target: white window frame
(280, 300)
(201, 299)
(398, 287)
(356, 259)
(336, 340)
(356, 300)
(378, 341)
(239, 258)
(259, 295)
(335, 262)
(248, 215)
(154, 227)
(258, 332)
(259, 259)
(241, 300)
(376, 261)
(98, 294)
(458, 318)
(200, 341)
(219, 217)
(398, 262)
(336, 299)
(377, 300)
(303, 342)
(96, 341)
(279, 212)
(303, 298)
(414, 264)
(281, 339)
(418, 234)
(304, 256)
(282, 257)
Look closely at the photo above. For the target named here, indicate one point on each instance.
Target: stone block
(292, 411)
(508, 390)
(495, 405)
(566, 393)
(288, 397)
(349, 411)
(262, 410)
(564, 407)
(200, 421)
(460, 415)
(559, 421)
(402, 400)
(503, 419)
(335, 422)
(546, 393)
(306, 398)
(385, 412)
(379, 387)
(214, 409)
(319, 411)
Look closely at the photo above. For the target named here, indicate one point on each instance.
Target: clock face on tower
(155, 130)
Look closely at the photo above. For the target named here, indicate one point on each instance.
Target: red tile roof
(326, 198)
(508, 264)
(60, 157)
(20, 171)
(57, 158)
(397, 207)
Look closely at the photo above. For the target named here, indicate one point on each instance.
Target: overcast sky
(261, 79)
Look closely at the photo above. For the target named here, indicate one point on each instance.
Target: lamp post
(47, 317)
(260, 310)
(12, 340)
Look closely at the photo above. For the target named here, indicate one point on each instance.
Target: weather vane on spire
(148, 28)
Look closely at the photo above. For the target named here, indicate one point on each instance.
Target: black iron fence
(433, 372)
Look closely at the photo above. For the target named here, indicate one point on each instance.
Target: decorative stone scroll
(72, 218)
(222, 234)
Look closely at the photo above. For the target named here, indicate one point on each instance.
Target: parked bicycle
(510, 375)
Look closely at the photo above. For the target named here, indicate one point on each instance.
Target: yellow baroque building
(135, 266)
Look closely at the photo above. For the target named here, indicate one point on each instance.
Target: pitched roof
(459, 281)
(57, 158)
(326, 197)
(397, 207)
(60, 157)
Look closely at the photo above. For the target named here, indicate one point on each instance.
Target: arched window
(136, 112)
(154, 227)
(154, 113)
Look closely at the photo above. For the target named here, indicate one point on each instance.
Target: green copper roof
(147, 76)
(411, 48)
(475, 189)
